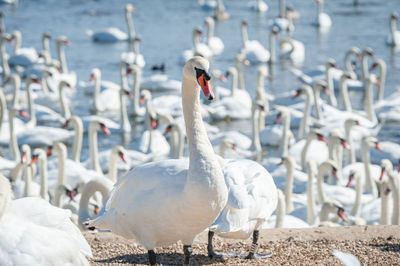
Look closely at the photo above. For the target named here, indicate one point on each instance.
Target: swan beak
(341, 214)
(96, 210)
(278, 118)
(334, 173)
(298, 93)
(246, 62)
(141, 100)
(358, 58)
(167, 130)
(321, 138)
(65, 125)
(121, 155)
(357, 123)
(205, 87)
(373, 66)
(345, 144)
(23, 114)
(378, 147)
(153, 123)
(325, 89)
(23, 157)
(281, 162)
(223, 78)
(127, 93)
(34, 160)
(91, 78)
(382, 173)
(35, 80)
(105, 129)
(351, 177)
(68, 43)
(49, 151)
(234, 147)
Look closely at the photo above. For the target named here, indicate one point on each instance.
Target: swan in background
(253, 49)
(198, 195)
(134, 56)
(381, 66)
(12, 141)
(323, 21)
(22, 56)
(4, 57)
(177, 139)
(70, 77)
(208, 4)
(105, 100)
(292, 49)
(258, 5)
(394, 38)
(349, 66)
(23, 224)
(199, 48)
(366, 53)
(387, 167)
(115, 34)
(226, 145)
(40, 155)
(220, 13)
(219, 91)
(214, 43)
(76, 123)
(252, 200)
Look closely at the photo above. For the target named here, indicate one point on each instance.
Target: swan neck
(317, 107)
(344, 94)
(31, 110)
(272, 58)
(136, 92)
(311, 208)
(285, 134)
(129, 22)
(304, 151)
(16, 82)
(234, 86)
(351, 156)
(210, 32)
(64, 105)
(4, 60)
(382, 79)
(370, 184)
(245, 37)
(112, 175)
(125, 125)
(364, 65)
(96, 94)
(369, 105)
(13, 146)
(282, 9)
(329, 80)
(281, 210)
(3, 108)
(303, 131)
(93, 147)
(28, 181)
(78, 137)
(43, 177)
(289, 187)
(256, 144)
(62, 58)
(18, 42)
(384, 204)
(320, 181)
(357, 204)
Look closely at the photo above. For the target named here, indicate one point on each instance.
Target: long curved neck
(112, 173)
(329, 81)
(62, 157)
(205, 177)
(320, 182)
(285, 134)
(31, 110)
(394, 184)
(28, 181)
(46, 47)
(382, 80)
(4, 60)
(234, 86)
(347, 63)
(289, 187)
(357, 204)
(369, 102)
(364, 65)
(148, 125)
(97, 84)
(272, 58)
(210, 31)
(18, 42)
(136, 92)
(303, 130)
(304, 151)
(129, 22)
(311, 212)
(317, 107)
(369, 183)
(3, 108)
(63, 101)
(77, 146)
(16, 82)
(62, 58)
(43, 177)
(260, 80)
(125, 125)
(13, 144)
(384, 203)
(93, 147)
(344, 94)
(256, 144)
(245, 36)
(351, 155)
(281, 210)
(179, 142)
(240, 75)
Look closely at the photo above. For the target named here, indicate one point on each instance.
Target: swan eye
(200, 72)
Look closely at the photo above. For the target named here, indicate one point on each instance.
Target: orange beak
(278, 118)
(141, 100)
(234, 147)
(205, 87)
(23, 114)
(153, 123)
(382, 173)
(378, 147)
(321, 138)
(68, 43)
(351, 177)
(298, 93)
(121, 155)
(167, 130)
(49, 151)
(341, 215)
(23, 157)
(105, 129)
(345, 144)
(34, 160)
(91, 78)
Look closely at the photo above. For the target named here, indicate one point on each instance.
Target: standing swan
(159, 203)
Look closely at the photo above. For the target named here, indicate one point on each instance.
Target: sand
(372, 245)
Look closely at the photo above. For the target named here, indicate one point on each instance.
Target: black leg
(254, 245)
(210, 249)
(152, 258)
(187, 251)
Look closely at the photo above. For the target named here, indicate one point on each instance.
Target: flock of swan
(185, 175)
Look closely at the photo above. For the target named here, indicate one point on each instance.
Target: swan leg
(211, 252)
(152, 257)
(187, 251)
(254, 245)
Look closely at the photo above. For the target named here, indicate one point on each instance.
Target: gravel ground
(372, 245)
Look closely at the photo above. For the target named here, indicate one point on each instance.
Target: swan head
(354, 175)
(226, 144)
(329, 166)
(319, 2)
(241, 58)
(321, 85)
(217, 74)
(334, 206)
(331, 63)
(95, 74)
(120, 151)
(130, 8)
(25, 153)
(282, 112)
(16, 35)
(196, 69)
(264, 71)
(208, 21)
(369, 52)
(386, 166)
(372, 142)
(394, 16)
(244, 23)
(145, 96)
(317, 135)
(288, 161)
(133, 69)
(47, 35)
(63, 40)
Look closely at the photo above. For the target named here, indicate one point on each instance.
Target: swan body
(22, 56)
(147, 202)
(160, 83)
(23, 224)
(115, 34)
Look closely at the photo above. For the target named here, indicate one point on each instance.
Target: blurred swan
(258, 5)
(214, 43)
(323, 21)
(22, 56)
(394, 38)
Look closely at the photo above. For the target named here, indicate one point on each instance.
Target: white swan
(70, 77)
(23, 224)
(214, 43)
(220, 13)
(22, 56)
(323, 20)
(199, 48)
(394, 38)
(253, 49)
(115, 34)
(292, 49)
(387, 167)
(258, 5)
(177, 139)
(381, 66)
(133, 56)
(156, 194)
(4, 57)
(104, 100)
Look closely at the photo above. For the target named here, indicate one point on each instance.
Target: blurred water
(166, 28)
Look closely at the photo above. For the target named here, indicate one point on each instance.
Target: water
(166, 28)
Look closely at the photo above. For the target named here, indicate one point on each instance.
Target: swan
(381, 66)
(323, 20)
(12, 141)
(226, 144)
(105, 100)
(292, 49)
(394, 38)
(356, 209)
(253, 49)
(366, 53)
(252, 200)
(4, 58)
(387, 167)
(23, 224)
(199, 48)
(214, 43)
(22, 56)
(93, 144)
(177, 139)
(76, 123)
(197, 192)
(208, 4)
(258, 5)
(115, 34)
(220, 13)
(40, 155)
(349, 66)
(70, 77)
(134, 56)
(237, 106)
